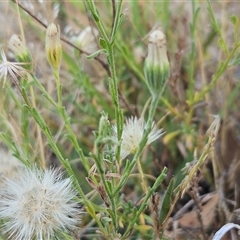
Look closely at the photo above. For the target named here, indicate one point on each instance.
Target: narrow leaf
(167, 201)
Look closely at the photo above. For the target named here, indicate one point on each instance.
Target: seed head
(37, 205)
(14, 69)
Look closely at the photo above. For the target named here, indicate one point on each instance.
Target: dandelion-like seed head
(38, 205)
(14, 69)
(132, 134)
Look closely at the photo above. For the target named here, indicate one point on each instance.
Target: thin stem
(116, 22)
(113, 11)
(111, 59)
(193, 50)
(41, 123)
(142, 144)
(223, 66)
(99, 165)
(150, 192)
(39, 134)
(144, 183)
(66, 119)
(59, 87)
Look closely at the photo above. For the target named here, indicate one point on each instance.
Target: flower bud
(53, 46)
(157, 67)
(18, 47)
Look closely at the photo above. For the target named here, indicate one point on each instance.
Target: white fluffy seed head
(132, 134)
(38, 205)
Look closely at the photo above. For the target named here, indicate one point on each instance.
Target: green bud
(53, 46)
(157, 66)
(104, 126)
(18, 47)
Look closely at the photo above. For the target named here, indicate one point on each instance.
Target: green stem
(63, 161)
(91, 6)
(142, 144)
(111, 59)
(66, 120)
(73, 138)
(59, 87)
(143, 205)
(116, 21)
(99, 165)
(222, 68)
(193, 51)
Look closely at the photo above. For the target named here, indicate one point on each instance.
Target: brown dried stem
(193, 192)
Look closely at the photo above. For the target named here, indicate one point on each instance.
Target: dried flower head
(132, 134)
(53, 46)
(156, 64)
(18, 46)
(215, 126)
(38, 205)
(15, 69)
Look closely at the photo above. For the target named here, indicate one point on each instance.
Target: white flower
(38, 205)
(132, 135)
(15, 69)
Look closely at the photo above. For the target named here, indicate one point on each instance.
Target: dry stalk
(193, 192)
(155, 201)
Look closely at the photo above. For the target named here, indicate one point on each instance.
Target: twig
(154, 204)
(194, 195)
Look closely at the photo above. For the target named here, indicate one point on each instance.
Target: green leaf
(110, 187)
(103, 43)
(95, 16)
(90, 209)
(233, 19)
(38, 118)
(111, 213)
(96, 53)
(236, 61)
(221, 44)
(106, 219)
(167, 201)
